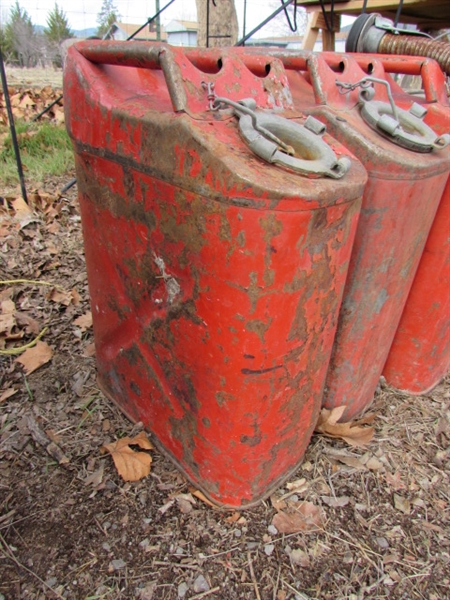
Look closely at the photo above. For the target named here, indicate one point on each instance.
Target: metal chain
(217, 103)
(365, 84)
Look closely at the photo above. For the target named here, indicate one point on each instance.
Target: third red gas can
(420, 354)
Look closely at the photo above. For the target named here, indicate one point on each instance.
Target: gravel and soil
(70, 527)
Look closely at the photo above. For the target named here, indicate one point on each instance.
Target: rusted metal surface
(399, 205)
(420, 354)
(215, 277)
(417, 46)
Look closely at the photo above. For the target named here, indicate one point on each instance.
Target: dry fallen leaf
(131, 465)
(305, 517)
(165, 507)
(148, 591)
(76, 298)
(7, 318)
(201, 496)
(299, 557)
(95, 478)
(298, 484)
(186, 502)
(24, 320)
(336, 502)
(7, 394)
(347, 459)
(60, 296)
(402, 504)
(35, 357)
(39, 436)
(233, 517)
(395, 481)
(23, 212)
(352, 432)
(374, 464)
(279, 502)
(84, 322)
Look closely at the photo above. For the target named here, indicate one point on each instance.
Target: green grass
(45, 151)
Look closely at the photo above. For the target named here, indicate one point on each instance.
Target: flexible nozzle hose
(373, 34)
(417, 46)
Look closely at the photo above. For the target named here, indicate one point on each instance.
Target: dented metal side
(215, 278)
(399, 204)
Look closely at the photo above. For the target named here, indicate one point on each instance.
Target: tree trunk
(216, 18)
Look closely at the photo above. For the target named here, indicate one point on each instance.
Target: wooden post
(317, 21)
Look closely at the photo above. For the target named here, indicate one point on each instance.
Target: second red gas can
(408, 167)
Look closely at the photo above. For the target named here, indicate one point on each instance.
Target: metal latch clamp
(404, 128)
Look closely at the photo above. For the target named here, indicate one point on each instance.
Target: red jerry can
(408, 168)
(420, 354)
(218, 227)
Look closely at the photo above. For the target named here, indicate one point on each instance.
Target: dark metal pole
(158, 21)
(71, 183)
(12, 128)
(245, 19)
(242, 41)
(207, 23)
(47, 108)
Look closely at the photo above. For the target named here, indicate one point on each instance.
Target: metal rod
(158, 21)
(47, 108)
(71, 183)
(245, 20)
(207, 23)
(12, 128)
(150, 20)
(242, 41)
(398, 13)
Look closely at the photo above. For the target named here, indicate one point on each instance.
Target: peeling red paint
(215, 278)
(419, 356)
(398, 208)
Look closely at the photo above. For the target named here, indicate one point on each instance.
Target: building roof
(177, 25)
(147, 34)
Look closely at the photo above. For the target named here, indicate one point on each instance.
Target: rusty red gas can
(218, 228)
(420, 354)
(408, 168)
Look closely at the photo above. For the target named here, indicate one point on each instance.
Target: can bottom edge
(421, 392)
(217, 504)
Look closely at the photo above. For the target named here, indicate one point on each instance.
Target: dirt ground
(70, 527)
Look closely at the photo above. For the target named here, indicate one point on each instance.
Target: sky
(82, 14)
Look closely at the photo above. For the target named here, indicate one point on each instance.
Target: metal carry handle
(153, 55)
(139, 54)
(433, 78)
(428, 69)
(307, 152)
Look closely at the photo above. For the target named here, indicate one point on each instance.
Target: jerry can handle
(433, 79)
(139, 54)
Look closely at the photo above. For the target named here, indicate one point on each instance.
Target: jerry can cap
(307, 152)
(402, 127)
(283, 142)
